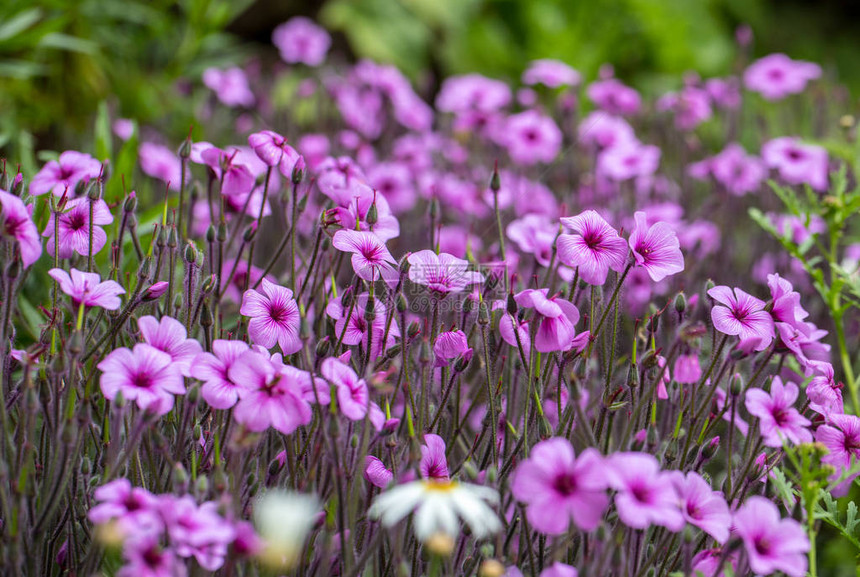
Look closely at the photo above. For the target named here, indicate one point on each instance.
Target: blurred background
(60, 59)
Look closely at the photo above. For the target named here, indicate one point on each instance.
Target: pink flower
(737, 171)
(823, 392)
(797, 163)
(628, 159)
(442, 273)
(594, 248)
(230, 86)
(344, 184)
(557, 319)
(16, 224)
(559, 487)
(87, 288)
(375, 472)
(146, 557)
(778, 419)
(776, 76)
(841, 436)
(551, 73)
(687, 369)
(656, 248)
(772, 544)
(119, 500)
(614, 97)
(701, 506)
(645, 495)
(510, 327)
(472, 92)
(743, 315)
(352, 392)
(169, 335)
(559, 569)
(74, 227)
(531, 137)
(599, 130)
(691, 107)
(275, 394)
(534, 234)
(725, 92)
(356, 327)
(197, 531)
(58, 175)
(393, 180)
(162, 163)
(236, 177)
(214, 370)
(370, 257)
(434, 464)
(300, 40)
(144, 375)
(273, 150)
(451, 345)
(274, 317)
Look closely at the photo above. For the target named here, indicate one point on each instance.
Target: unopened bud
(413, 329)
(298, 173)
(185, 149)
(495, 180)
(372, 214)
(190, 253)
(483, 314)
(249, 233)
(680, 303)
(402, 305)
(130, 202)
(210, 234)
(154, 291)
(322, 348)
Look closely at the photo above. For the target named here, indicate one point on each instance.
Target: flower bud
(190, 253)
(413, 329)
(680, 303)
(249, 233)
(709, 449)
(401, 303)
(322, 348)
(202, 486)
(185, 149)
(483, 314)
(495, 180)
(17, 185)
(372, 214)
(130, 202)
(298, 173)
(154, 291)
(210, 234)
(94, 190)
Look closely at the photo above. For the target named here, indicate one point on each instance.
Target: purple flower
(344, 184)
(559, 487)
(370, 257)
(87, 288)
(687, 370)
(230, 86)
(300, 40)
(797, 163)
(645, 495)
(743, 315)
(656, 248)
(197, 531)
(274, 317)
(534, 234)
(472, 92)
(236, 177)
(701, 506)
(352, 392)
(725, 92)
(275, 394)
(375, 472)
(394, 181)
(162, 163)
(772, 544)
(733, 168)
(823, 392)
(511, 326)
(551, 73)
(119, 500)
(169, 335)
(58, 175)
(144, 375)
(433, 463)
(778, 419)
(595, 247)
(146, 557)
(273, 150)
(628, 159)
(559, 569)
(214, 370)
(557, 319)
(614, 97)
(531, 137)
(776, 76)
(74, 227)
(841, 436)
(786, 306)
(354, 326)
(16, 223)
(600, 131)
(442, 273)
(691, 107)
(451, 345)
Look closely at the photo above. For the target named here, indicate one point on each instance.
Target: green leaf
(19, 22)
(103, 137)
(69, 43)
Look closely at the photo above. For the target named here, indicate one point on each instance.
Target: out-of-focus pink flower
(197, 530)
(594, 248)
(737, 171)
(614, 97)
(57, 175)
(144, 375)
(772, 544)
(743, 315)
(162, 163)
(559, 569)
(691, 107)
(119, 500)
(352, 392)
(628, 159)
(472, 92)
(531, 137)
(645, 495)
(433, 464)
(600, 130)
(394, 181)
(300, 40)
(725, 92)
(534, 234)
(451, 345)
(775, 76)
(559, 487)
(687, 369)
(779, 421)
(169, 335)
(214, 370)
(551, 73)
(375, 472)
(123, 128)
(230, 86)
(656, 248)
(16, 224)
(442, 273)
(701, 506)
(274, 317)
(797, 163)
(74, 227)
(557, 319)
(841, 436)
(88, 288)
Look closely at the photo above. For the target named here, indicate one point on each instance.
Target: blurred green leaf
(19, 22)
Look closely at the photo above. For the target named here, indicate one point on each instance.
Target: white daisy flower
(438, 506)
(283, 520)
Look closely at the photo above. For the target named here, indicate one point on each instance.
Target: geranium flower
(645, 495)
(534, 234)
(557, 319)
(65, 173)
(169, 335)
(841, 436)
(352, 392)
(797, 163)
(531, 137)
(733, 168)
(772, 544)
(197, 530)
(594, 248)
(371, 260)
(442, 273)
(213, 369)
(691, 106)
(162, 163)
(274, 317)
(701, 506)
(88, 288)
(300, 40)
(434, 464)
(451, 345)
(375, 472)
(17, 224)
(743, 315)
(778, 419)
(273, 150)
(74, 227)
(355, 327)
(656, 248)
(628, 159)
(614, 97)
(559, 487)
(230, 86)
(551, 73)
(775, 76)
(144, 375)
